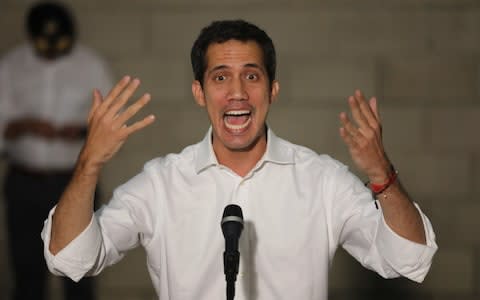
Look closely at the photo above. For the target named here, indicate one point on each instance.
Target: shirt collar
(205, 156)
(276, 152)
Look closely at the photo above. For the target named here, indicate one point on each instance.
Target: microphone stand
(231, 261)
(230, 290)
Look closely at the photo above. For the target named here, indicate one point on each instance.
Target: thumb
(96, 101)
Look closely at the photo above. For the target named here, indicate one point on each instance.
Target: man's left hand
(364, 137)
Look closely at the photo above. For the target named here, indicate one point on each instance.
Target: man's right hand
(107, 131)
(107, 123)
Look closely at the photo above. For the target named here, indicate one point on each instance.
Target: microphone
(232, 226)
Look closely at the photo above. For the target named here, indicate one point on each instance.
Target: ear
(274, 92)
(198, 94)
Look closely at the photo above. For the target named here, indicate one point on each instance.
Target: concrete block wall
(420, 57)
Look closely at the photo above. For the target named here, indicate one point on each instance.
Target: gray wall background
(420, 57)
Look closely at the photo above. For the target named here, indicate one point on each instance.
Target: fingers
(132, 110)
(111, 109)
(366, 117)
(365, 114)
(101, 105)
(140, 124)
(348, 140)
(373, 106)
(107, 128)
(117, 89)
(117, 104)
(348, 131)
(116, 99)
(362, 111)
(356, 111)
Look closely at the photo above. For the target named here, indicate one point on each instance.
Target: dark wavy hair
(225, 30)
(43, 11)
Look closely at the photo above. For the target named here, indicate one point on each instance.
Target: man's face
(237, 95)
(53, 42)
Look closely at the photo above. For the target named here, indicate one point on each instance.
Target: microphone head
(232, 221)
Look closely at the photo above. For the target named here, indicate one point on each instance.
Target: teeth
(238, 127)
(237, 112)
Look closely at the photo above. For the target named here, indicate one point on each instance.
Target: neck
(242, 161)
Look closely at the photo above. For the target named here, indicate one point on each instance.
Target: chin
(242, 144)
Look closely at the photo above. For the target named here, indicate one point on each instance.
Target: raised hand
(107, 131)
(364, 137)
(107, 122)
(364, 140)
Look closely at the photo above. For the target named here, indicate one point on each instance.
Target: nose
(237, 90)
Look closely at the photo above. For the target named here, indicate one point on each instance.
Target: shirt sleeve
(115, 228)
(79, 256)
(407, 258)
(363, 232)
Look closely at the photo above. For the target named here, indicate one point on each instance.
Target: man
(298, 206)
(44, 98)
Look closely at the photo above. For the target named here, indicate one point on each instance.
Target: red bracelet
(380, 188)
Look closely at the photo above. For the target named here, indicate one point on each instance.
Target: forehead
(234, 53)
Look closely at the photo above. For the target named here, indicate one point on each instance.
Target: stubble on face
(237, 95)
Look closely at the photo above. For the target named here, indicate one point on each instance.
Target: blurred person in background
(44, 98)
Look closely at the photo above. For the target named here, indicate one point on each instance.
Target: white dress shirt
(298, 207)
(57, 91)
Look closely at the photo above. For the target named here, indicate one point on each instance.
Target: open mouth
(237, 120)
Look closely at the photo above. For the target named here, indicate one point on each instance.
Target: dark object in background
(51, 28)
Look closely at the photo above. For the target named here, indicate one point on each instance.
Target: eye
(63, 43)
(220, 77)
(252, 76)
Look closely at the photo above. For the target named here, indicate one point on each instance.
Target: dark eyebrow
(248, 65)
(216, 68)
(253, 65)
